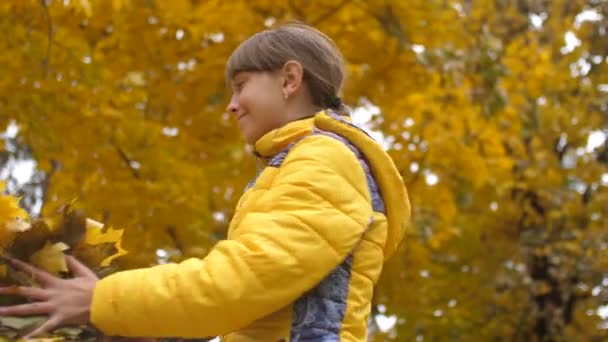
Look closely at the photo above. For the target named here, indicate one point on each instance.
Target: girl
(308, 239)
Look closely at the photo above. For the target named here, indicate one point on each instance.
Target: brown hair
(321, 60)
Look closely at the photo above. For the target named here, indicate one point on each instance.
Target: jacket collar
(276, 140)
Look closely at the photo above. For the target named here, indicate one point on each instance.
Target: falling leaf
(12, 218)
(94, 234)
(51, 257)
(99, 246)
(9, 207)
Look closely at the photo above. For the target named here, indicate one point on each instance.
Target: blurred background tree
(495, 111)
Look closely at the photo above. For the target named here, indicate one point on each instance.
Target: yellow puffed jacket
(304, 249)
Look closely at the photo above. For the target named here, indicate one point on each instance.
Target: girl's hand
(64, 301)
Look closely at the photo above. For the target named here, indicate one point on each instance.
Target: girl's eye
(240, 85)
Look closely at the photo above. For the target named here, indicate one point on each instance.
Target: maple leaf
(12, 218)
(9, 207)
(33, 239)
(100, 245)
(51, 257)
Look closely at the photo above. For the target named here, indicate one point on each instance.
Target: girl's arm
(298, 231)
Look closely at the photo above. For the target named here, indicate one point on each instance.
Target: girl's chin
(249, 138)
(249, 132)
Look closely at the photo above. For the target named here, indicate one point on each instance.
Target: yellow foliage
(51, 257)
(127, 114)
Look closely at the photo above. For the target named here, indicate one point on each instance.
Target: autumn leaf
(20, 323)
(69, 226)
(51, 257)
(100, 245)
(9, 207)
(28, 242)
(11, 229)
(65, 225)
(12, 218)
(18, 225)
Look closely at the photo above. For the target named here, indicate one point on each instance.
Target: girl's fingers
(28, 292)
(48, 326)
(78, 268)
(38, 308)
(36, 273)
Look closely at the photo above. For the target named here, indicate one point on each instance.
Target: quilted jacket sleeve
(298, 231)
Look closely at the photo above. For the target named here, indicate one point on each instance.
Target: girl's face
(257, 103)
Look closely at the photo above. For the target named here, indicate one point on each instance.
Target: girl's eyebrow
(236, 77)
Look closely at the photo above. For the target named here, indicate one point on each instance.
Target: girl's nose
(233, 106)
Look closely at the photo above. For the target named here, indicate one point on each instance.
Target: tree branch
(127, 161)
(46, 63)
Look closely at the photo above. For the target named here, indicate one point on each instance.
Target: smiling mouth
(241, 116)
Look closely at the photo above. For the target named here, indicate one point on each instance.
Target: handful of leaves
(43, 242)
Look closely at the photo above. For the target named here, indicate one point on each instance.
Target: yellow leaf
(120, 252)
(9, 206)
(20, 323)
(17, 225)
(51, 257)
(12, 218)
(95, 235)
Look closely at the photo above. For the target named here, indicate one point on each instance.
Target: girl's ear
(292, 76)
